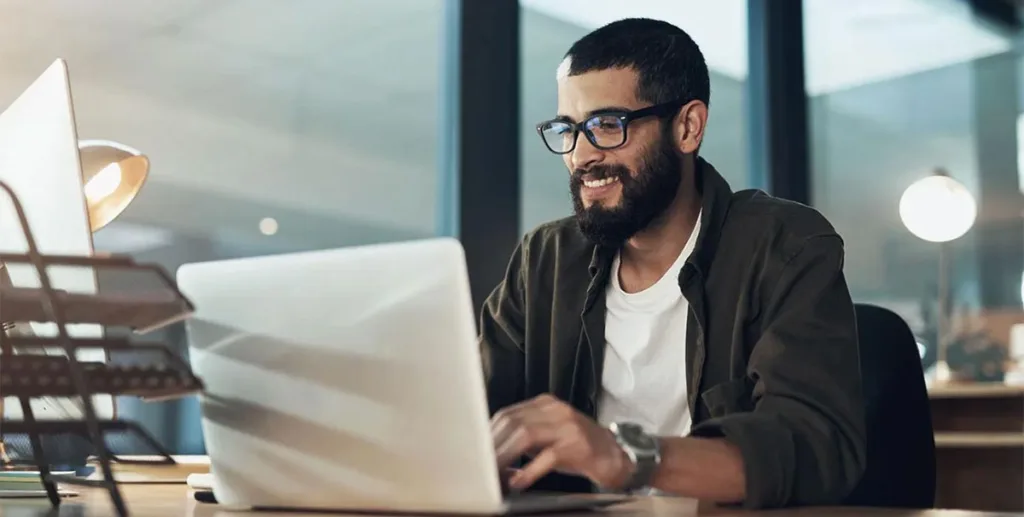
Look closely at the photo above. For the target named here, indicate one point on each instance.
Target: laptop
(39, 160)
(349, 379)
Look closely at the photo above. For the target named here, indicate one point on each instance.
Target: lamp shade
(938, 208)
(112, 175)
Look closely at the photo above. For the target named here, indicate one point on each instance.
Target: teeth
(601, 182)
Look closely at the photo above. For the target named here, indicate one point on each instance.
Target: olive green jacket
(772, 361)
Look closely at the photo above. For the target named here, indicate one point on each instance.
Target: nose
(584, 155)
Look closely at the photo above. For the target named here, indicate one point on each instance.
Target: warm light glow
(104, 183)
(268, 226)
(938, 209)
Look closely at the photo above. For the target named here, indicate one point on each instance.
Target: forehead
(597, 89)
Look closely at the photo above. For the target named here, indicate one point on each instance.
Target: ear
(690, 124)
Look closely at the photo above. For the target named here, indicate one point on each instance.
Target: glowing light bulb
(938, 209)
(104, 183)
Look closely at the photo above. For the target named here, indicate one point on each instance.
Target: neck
(653, 250)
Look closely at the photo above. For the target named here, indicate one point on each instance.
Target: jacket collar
(715, 196)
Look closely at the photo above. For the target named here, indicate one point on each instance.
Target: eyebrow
(593, 112)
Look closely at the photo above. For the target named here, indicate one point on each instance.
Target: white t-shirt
(644, 379)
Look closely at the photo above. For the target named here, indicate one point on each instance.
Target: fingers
(560, 437)
(501, 432)
(505, 475)
(524, 438)
(543, 407)
(509, 446)
(542, 464)
(532, 427)
(527, 427)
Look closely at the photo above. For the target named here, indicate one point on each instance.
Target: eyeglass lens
(604, 131)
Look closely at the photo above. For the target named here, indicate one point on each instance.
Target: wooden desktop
(177, 500)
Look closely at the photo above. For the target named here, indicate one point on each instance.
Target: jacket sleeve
(502, 338)
(804, 442)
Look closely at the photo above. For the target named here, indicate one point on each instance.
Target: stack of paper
(24, 483)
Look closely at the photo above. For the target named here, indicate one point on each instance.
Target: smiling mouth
(601, 182)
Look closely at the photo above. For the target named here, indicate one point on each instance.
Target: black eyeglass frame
(625, 118)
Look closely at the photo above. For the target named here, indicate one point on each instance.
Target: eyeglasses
(605, 129)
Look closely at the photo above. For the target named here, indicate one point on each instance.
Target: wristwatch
(643, 450)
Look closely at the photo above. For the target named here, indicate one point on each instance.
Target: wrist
(639, 458)
(624, 468)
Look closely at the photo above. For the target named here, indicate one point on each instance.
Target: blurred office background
(286, 125)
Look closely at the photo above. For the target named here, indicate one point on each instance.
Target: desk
(979, 440)
(176, 500)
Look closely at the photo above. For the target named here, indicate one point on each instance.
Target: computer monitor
(39, 160)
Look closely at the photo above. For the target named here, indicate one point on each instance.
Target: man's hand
(560, 439)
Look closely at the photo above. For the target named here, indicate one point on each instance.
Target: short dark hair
(668, 62)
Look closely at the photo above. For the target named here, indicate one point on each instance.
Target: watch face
(635, 436)
(646, 442)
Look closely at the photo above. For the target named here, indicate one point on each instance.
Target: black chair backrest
(901, 442)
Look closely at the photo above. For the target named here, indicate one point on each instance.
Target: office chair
(900, 468)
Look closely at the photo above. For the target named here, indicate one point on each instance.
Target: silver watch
(642, 449)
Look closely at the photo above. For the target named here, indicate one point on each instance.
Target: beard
(644, 197)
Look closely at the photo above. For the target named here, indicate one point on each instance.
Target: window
(271, 126)
(899, 89)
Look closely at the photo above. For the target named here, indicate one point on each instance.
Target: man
(672, 335)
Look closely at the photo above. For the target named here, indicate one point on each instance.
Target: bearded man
(672, 336)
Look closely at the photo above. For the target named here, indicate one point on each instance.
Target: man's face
(617, 192)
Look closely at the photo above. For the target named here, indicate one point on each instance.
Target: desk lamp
(939, 209)
(112, 175)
